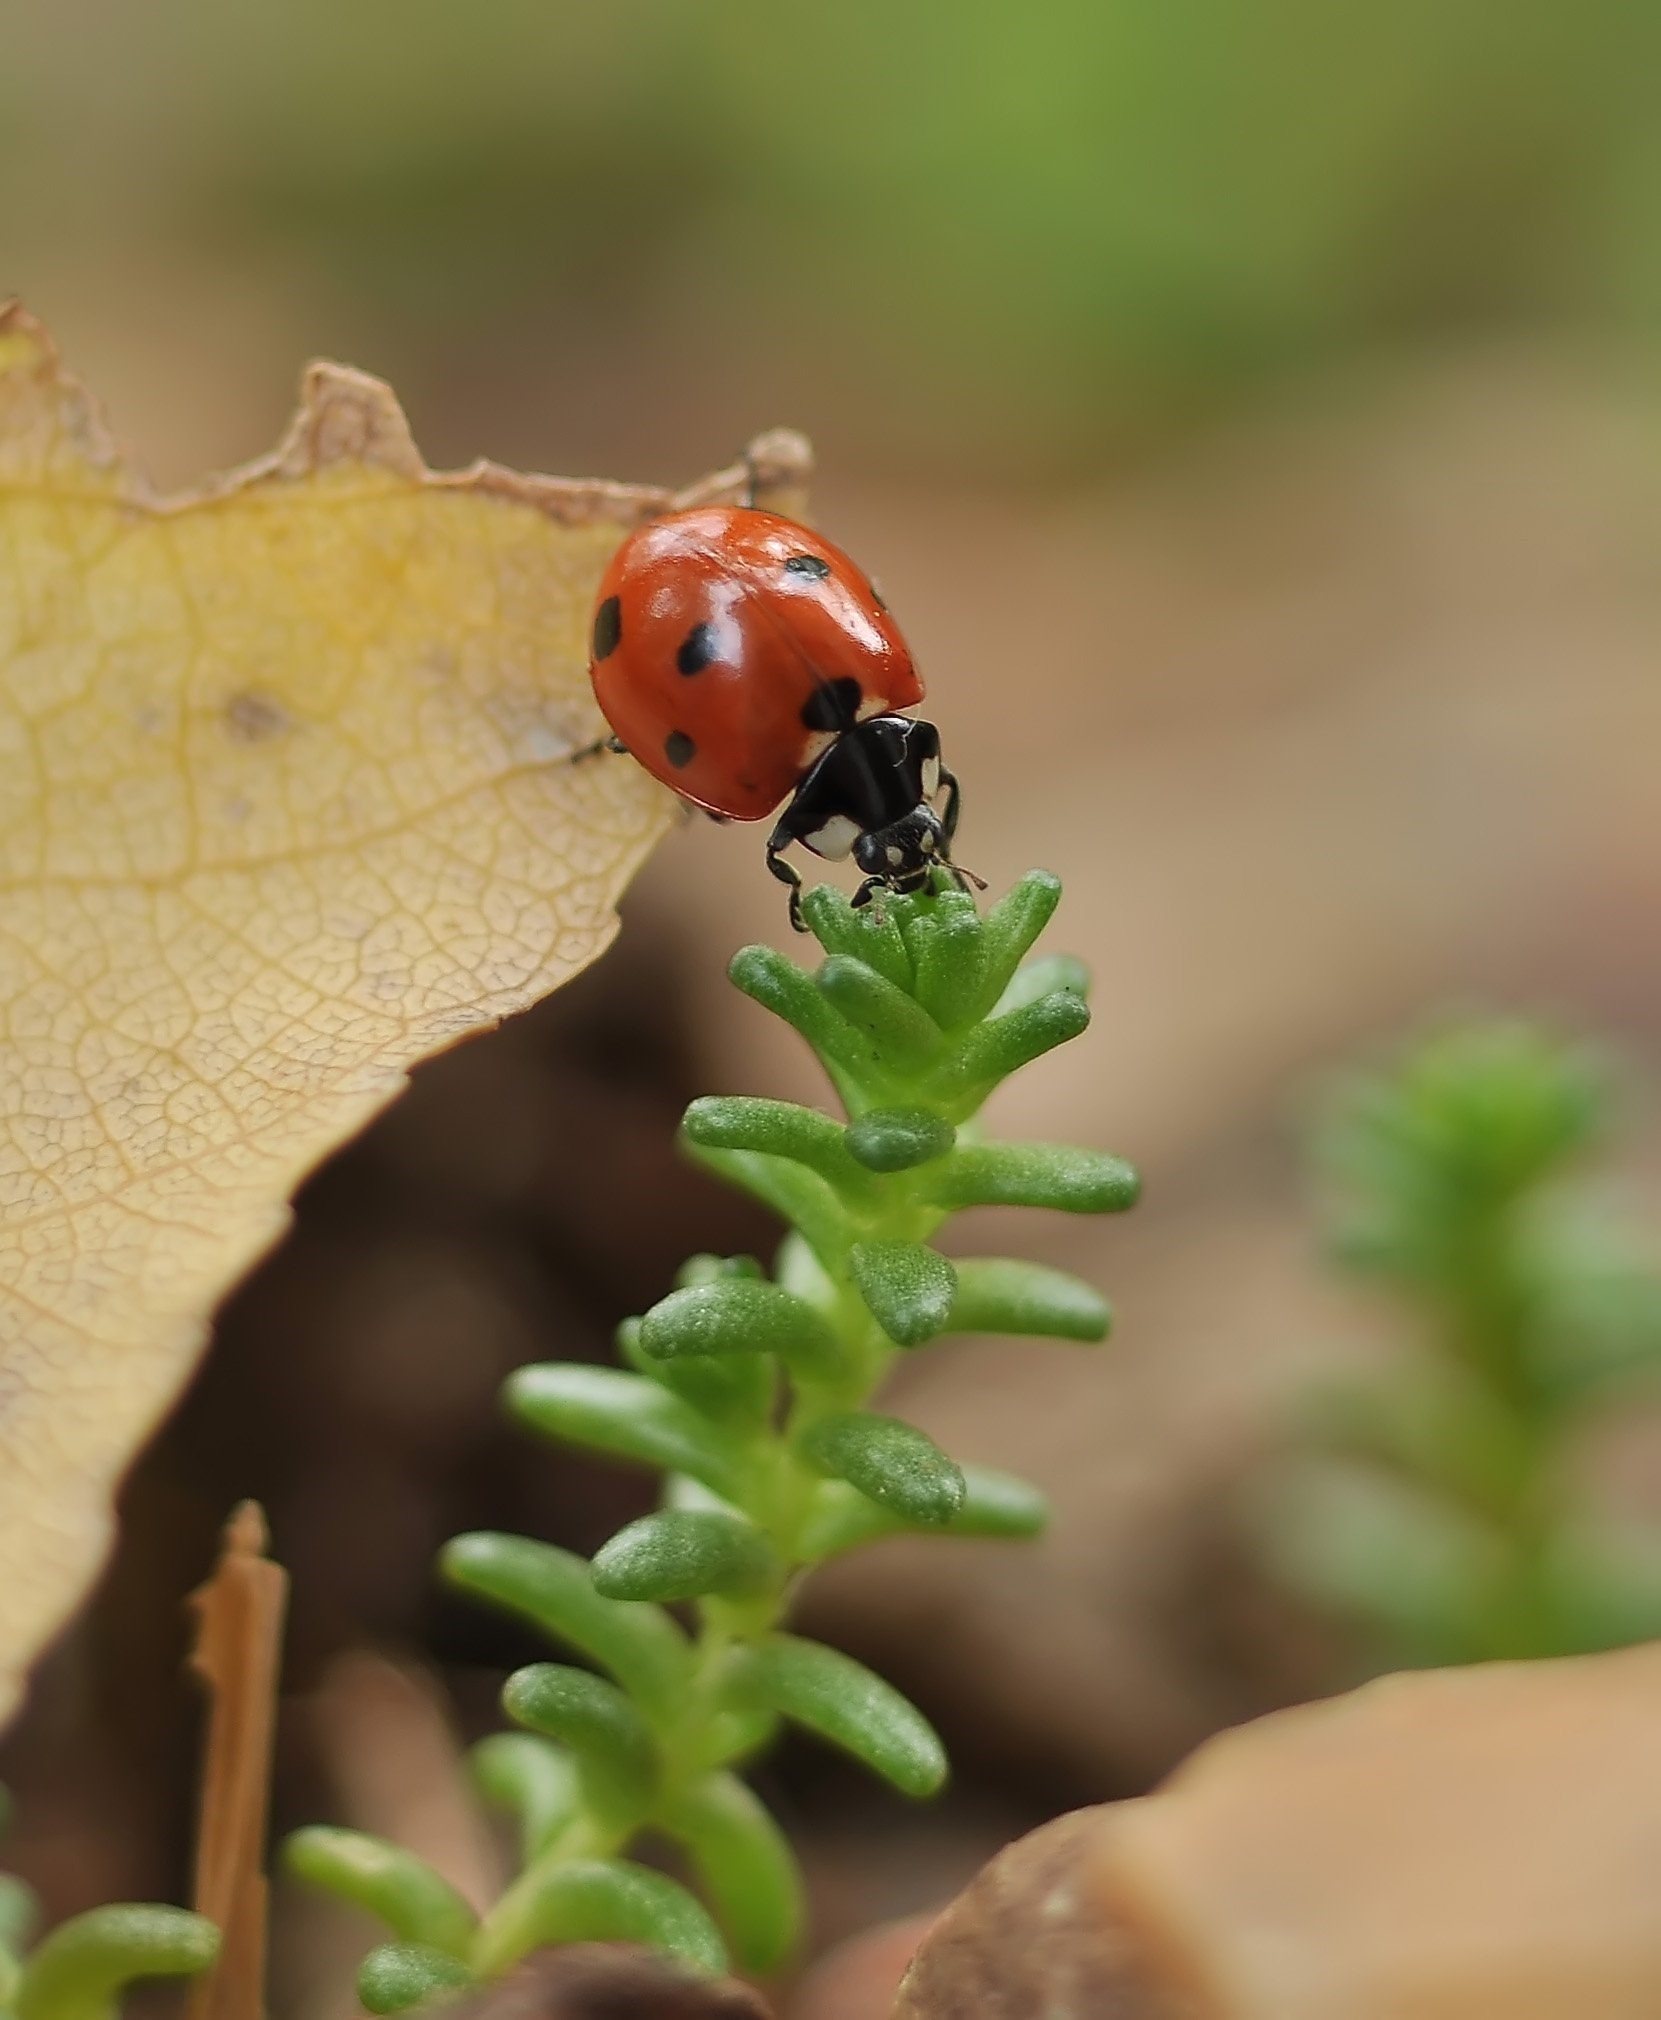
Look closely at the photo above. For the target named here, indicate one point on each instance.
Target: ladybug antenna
(964, 877)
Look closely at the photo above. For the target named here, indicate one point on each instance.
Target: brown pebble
(1028, 1938)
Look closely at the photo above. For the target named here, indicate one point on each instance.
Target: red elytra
(732, 646)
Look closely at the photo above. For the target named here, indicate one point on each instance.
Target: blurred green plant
(1443, 1502)
(1019, 231)
(82, 1969)
(752, 1395)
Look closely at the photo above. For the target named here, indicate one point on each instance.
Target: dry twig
(239, 1630)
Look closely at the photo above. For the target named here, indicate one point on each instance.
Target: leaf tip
(346, 416)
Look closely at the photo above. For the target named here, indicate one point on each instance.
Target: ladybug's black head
(902, 854)
(871, 795)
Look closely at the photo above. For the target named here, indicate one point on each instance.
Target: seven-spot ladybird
(742, 659)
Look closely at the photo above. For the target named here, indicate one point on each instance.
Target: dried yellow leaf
(283, 809)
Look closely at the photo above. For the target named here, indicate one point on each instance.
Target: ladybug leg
(964, 879)
(593, 750)
(953, 804)
(786, 874)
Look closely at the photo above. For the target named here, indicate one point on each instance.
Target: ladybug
(744, 661)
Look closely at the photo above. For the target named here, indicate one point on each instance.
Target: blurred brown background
(1252, 414)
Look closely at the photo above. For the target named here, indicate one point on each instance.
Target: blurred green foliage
(1020, 224)
(1449, 1502)
(86, 1967)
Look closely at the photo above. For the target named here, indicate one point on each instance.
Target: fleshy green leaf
(599, 1901)
(1004, 1296)
(628, 1416)
(630, 1351)
(714, 1269)
(779, 985)
(79, 1971)
(743, 1318)
(415, 1903)
(891, 1463)
(1034, 1174)
(898, 1139)
(951, 962)
(535, 1781)
(611, 1741)
(554, 1591)
(808, 1202)
(906, 1037)
(846, 1703)
(869, 935)
(995, 1505)
(792, 1191)
(744, 1863)
(693, 1497)
(1010, 929)
(685, 1554)
(735, 1391)
(775, 1129)
(398, 1976)
(991, 1052)
(908, 1288)
(734, 1736)
(1036, 979)
(840, 1518)
(1000, 1505)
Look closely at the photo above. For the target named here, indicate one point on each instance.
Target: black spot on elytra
(679, 749)
(608, 627)
(700, 645)
(833, 704)
(814, 565)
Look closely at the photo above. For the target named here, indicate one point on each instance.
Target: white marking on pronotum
(834, 839)
(931, 777)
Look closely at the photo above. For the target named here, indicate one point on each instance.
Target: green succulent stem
(752, 1393)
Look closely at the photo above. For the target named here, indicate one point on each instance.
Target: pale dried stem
(239, 1631)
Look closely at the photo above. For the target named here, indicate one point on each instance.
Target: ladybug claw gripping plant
(743, 659)
(752, 1395)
